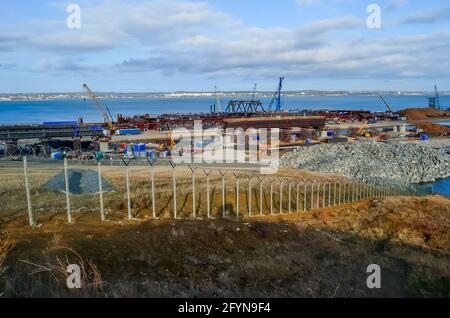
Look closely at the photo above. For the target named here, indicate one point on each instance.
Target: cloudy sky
(166, 45)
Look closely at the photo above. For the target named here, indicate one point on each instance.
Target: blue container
(57, 156)
(139, 148)
(330, 133)
(424, 137)
(133, 131)
(60, 123)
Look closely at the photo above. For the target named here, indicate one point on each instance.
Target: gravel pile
(393, 163)
(80, 182)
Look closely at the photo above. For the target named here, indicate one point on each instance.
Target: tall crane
(277, 96)
(218, 108)
(254, 91)
(387, 105)
(104, 110)
(438, 104)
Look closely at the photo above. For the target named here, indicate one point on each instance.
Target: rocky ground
(381, 163)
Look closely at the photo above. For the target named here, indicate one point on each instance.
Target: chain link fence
(119, 190)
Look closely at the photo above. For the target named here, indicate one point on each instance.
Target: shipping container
(133, 131)
(60, 123)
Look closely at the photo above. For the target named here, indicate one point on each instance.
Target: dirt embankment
(323, 253)
(423, 117)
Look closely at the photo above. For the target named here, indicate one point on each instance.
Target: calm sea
(36, 112)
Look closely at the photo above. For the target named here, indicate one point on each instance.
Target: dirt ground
(322, 253)
(422, 118)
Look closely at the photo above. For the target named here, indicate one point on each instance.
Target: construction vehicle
(387, 105)
(104, 110)
(362, 132)
(277, 96)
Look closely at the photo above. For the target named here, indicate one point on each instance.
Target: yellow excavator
(362, 132)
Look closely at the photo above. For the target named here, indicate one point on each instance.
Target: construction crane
(387, 105)
(277, 96)
(218, 108)
(104, 110)
(254, 91)
(438, 104)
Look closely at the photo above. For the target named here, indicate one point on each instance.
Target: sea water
(36, 112)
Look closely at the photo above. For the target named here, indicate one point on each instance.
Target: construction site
(347, 191)
(152, 135)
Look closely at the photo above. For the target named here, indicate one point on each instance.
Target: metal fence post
(340, 192)
(312, 196)
(27, 189)
(298, 197)
(100, 188)
(66, 176)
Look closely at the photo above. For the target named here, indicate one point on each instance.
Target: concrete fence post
(127, 180)
(237, 194)
(261, 193)
(329, 194)
(289, 196)
(194, 212)
(324, 194)
(334, 195)
(208, 203)
(27, 189)
(305, 190)
(271, 196)
(152, 186)
(223, 193)
(250, 195)
(66, 176)
(174, 189)
(318, 196)
(100, 190)
(281, 196)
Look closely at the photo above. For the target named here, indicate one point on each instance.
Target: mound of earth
(81, 182)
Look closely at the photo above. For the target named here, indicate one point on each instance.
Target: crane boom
(277, 96)
(437, 98)
(106, 114)
(254, 91)
(387, 105)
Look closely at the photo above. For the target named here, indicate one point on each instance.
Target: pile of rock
(373, 162)
(81, 182)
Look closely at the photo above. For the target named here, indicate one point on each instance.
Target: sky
(190, 45)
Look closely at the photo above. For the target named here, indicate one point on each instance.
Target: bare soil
(323, 253)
